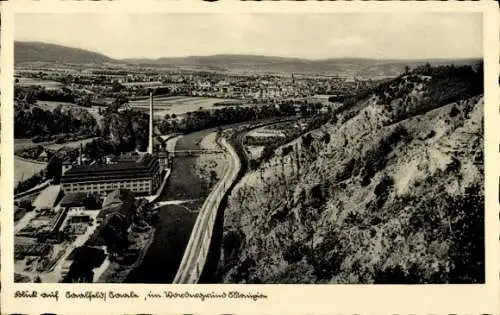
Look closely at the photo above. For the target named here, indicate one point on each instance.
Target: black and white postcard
(277, 158)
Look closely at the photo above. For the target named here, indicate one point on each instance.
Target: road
(197, 249)
(196, 252)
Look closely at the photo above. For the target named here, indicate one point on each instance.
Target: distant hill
(363, 68)
(42, 52)
(253, 63)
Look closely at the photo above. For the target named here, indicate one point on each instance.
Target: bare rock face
(385, 200)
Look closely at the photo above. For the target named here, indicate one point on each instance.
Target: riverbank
(118, 273)
(173, 228)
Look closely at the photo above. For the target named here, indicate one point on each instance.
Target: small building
(43, 156)
(76, 219)
(113, 199)
(121, 203)
(66, 166)
(35, 250)
(74, 201)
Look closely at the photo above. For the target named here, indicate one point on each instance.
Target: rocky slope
(382, 194)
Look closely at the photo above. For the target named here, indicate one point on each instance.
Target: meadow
(177, 105)
(24, 169)
(34, 81)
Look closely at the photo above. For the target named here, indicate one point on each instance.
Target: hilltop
(43, 52)
(391, 190)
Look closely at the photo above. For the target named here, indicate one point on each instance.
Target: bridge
(193, 152)
(159, 204)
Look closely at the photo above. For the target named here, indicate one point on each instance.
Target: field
(266, 132)
(72, 144)
(24, 169)
(23, 144)
(45, 83)
(177, 105)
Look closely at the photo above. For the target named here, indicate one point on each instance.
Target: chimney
(151, 127)
(81, 153)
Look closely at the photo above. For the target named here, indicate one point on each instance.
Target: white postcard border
(288, 299)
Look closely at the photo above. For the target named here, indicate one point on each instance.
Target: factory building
(140, 173)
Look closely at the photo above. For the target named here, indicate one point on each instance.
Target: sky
(309, 36)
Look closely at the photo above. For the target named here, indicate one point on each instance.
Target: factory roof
(132, 167)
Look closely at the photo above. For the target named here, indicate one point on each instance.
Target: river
(175, 222)
(173, 228)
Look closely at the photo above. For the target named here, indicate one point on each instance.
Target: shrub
(385, 184)
(327, 257)
(294, 253)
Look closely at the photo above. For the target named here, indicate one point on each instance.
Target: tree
(54, 168)
(213, 177)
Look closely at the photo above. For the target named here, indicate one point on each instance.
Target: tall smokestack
(81, 153)
(151, 127)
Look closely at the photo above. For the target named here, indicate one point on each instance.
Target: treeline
(201, 119)
(97, 149)
(441, 85)
(126, 130)
(36, 122)
(227, 103)
(272, 143)
(31, 94)
(351, 98)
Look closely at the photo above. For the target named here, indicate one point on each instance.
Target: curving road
(197, 249)
(196, 252)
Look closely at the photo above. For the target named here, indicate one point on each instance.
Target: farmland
(266, 132)
(23, 144)
(72, 144)
(25, 169)
(33, 81)
(177, 105)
